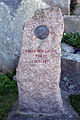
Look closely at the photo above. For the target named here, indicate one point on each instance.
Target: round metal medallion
(42, 32)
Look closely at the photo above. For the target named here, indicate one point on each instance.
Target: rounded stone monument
(39, 67)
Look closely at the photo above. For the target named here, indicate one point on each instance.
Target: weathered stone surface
(67, 48)
(14, 4)
(77, 10)
(69, 78)
(63, 4)
(71, 24)
(69, 113)
(70, 72)
(38, 71)
(11, 24)
(14, 78)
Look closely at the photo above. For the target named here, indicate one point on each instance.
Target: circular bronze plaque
(42, 32)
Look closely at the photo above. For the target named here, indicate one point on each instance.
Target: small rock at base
(67, 48)
(71, 87)
(14, 78)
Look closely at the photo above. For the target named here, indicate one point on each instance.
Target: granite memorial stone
(38, 71)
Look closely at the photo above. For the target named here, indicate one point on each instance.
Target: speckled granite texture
(69, 113)
(38, 71)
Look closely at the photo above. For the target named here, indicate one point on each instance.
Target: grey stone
(14, 78)
(77, 10)
(71, 23)
(71, 87)
(67, 48)
(79, 83)
(65, 79)
(11, 31)
(63, 4)
(12, 3)
(70, 68)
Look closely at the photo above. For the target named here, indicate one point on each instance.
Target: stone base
(69, 113)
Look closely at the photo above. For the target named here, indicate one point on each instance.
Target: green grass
(75, 102)
(72, 39)
(8, 94)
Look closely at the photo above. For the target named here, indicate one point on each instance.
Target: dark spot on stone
(40, 114)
